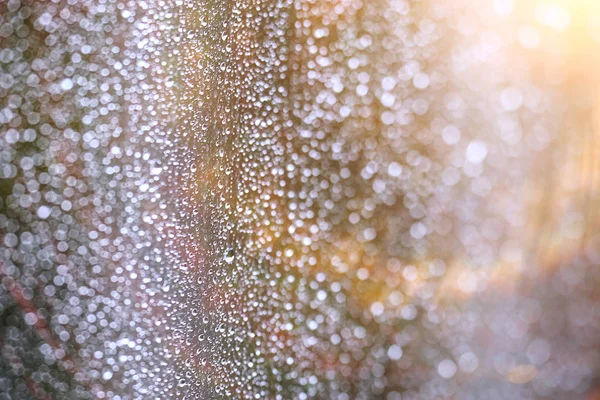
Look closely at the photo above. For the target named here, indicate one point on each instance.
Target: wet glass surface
(328, 199)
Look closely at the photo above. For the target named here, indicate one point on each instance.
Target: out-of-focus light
(593, 26)
(522, 374)
(554, 16)
(504, 7)
(529, 36)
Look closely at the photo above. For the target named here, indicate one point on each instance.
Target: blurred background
(294, 199)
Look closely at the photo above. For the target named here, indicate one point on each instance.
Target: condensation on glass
(330, 199)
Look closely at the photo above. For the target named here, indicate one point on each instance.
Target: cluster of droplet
(281, 199)
(337, 163)
(78, 180)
